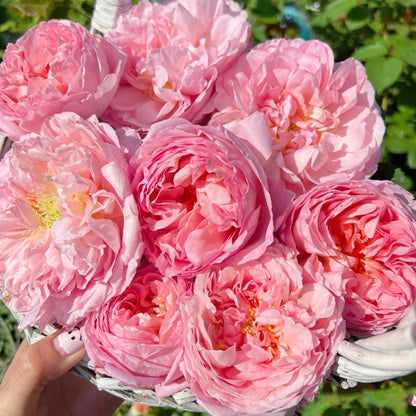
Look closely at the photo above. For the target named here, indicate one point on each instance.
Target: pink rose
(54, 67)
(69, 230)
(358, 238)
(324, 121)
(175, 53)
(256, 339)
(137, 336)
(202, 197)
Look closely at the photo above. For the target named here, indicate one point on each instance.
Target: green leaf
(383, 72)
(377, 48)
(358, 17)
(339, 8)
(265, 9)
(404, 48)
(411, 156)
(407, 3)
(400, 178)
(396, 140)
(39, 8)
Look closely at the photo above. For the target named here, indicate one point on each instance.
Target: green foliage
(17, 16)
(9, 338)
(380, 399)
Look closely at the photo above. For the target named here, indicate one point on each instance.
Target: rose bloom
(202, 196)
(256, 339)
(358, 238)
(323, 119)
(137, 336)
(175, 53)
(69, 230)
(54, 67)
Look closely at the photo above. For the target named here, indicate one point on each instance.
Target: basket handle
(106, 13)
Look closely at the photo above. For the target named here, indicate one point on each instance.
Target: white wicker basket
(106, 13)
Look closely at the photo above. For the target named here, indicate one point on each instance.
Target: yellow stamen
(45, 206)
(248, 326)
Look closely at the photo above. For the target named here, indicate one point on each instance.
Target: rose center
(46, 208)
(267, 336)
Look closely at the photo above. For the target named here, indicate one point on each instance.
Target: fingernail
(69, 342)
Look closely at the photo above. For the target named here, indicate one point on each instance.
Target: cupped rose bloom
(202, 196)
(137, 336)
(358, 238)
(175, 53)
(324, 121)
(54, 67)
(69, 230)
(255, 334)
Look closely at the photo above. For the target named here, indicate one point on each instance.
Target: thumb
(34, 366)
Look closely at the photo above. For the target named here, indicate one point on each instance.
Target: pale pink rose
(137, 336)
(256, 339)
(175, 53)
(54, 67)
(324, 121)
(69, 229)
(202, 197)
(358, 238)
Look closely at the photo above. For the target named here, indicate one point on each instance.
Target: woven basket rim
(183, 400)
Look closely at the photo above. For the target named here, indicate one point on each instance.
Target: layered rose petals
(56, 66)
(69, 231)
(256, 339)
(202, 197)
(137, 336)
(359, 239)
(323, 118)
(176, 51)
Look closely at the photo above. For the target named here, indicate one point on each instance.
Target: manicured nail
(69, 342)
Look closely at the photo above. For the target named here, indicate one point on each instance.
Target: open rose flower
(256, 339)
(202, 197)
(175, 53)
(137, 336)
(69, 231)
(358, 238)
(54, 67)
(323, 119)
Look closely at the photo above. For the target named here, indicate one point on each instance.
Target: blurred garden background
(380, 34)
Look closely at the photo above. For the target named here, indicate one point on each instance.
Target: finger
(77, 397)
(362, 374)
(397, 339)
(33, 367)
(400, 360)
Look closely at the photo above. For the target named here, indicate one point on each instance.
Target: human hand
(380, 357)
(37, 382)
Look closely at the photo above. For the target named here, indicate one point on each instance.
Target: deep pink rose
(358, 238)
(256, 339)
(69, 230)
(137, 336)
(323, 119)
(54, 67)
(202, 197)
(175, 53)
